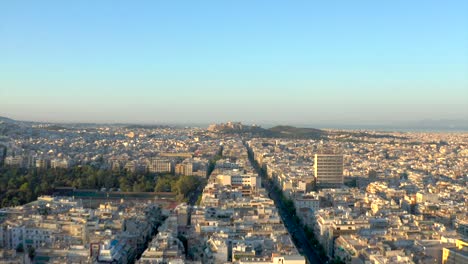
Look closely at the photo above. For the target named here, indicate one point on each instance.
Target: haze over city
(267, 62)
(243, 132)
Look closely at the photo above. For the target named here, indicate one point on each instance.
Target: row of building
(183, 151)
(409, 203)
(65, 230)
(236, 222)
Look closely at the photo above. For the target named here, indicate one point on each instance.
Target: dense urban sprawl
(207, 196)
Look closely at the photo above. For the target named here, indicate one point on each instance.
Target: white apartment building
(239, 180)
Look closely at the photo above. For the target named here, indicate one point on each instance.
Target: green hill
(295, 132)
(276, 132)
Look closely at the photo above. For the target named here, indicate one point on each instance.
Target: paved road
(296, 231)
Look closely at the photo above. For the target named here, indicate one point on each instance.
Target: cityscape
(242, 132)
(226, 194)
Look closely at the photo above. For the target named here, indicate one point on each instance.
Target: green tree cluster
(20, 186)
(183, 186)
(214, 159)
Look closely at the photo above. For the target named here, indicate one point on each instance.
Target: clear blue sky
(314, 62)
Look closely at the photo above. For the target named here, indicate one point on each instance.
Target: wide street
(296, 231)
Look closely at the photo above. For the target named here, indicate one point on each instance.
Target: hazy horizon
(367, 63)
(416, 125)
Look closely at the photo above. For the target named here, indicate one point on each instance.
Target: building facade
(328, 170)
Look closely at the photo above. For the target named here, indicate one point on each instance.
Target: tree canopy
(20, 186)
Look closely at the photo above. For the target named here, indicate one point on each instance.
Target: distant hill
(145, 126)
(274, 132)
(54, 128)
(296, 132)
(8, 126)
(7, 120)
